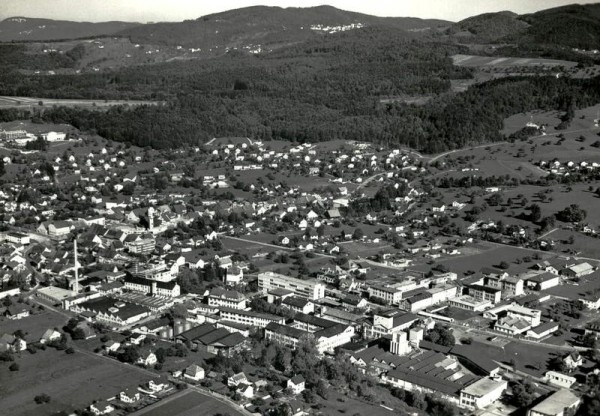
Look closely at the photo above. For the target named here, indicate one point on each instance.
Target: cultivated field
(494, 61)
(72, 381)
(191, 403)
(20, 102)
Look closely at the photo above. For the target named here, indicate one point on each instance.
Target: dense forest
(330, 88)
(451, 121)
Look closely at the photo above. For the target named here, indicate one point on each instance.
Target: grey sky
(177, 10)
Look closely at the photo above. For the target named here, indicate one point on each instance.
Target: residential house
(147, 358)
(129, 396)
(50, 335)
(17, 311)
(296, 384)
(194, 372)
(237, 379)
(573, 360)
(102, 408)
(12, 343)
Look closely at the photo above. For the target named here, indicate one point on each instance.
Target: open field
(338, 404)
(20, 102)
(34, 325)
(72, 381)
(191, 403)
(584, 119)
(478, 259)
(589, 284)
(507, 62)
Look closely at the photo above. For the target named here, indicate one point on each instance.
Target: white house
(296, 384)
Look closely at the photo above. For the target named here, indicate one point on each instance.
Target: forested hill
(32, 29)
(576, 26)
(488, 27)
(450, 122)
(267, 27)
(573, 26)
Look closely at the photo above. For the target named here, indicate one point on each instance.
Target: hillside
(576, 26)
(259, 28)
(30, 29)
(489, 26)
(572, 26)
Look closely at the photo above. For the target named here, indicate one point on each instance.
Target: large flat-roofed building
(469, 303)
(482, 393)
(429, 372)
(388, 322)
(514, 310)
(559, 403)
(485, 293)
(326, 339)
(391, 294)
(152, 287)
(112, 312)
(310, 288)
(249, 317)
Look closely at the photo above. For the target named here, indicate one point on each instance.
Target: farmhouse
(578, 270)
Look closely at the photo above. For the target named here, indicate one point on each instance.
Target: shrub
(42, 398)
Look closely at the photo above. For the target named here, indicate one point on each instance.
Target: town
(282, 278)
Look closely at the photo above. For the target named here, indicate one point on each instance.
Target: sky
(178, 10)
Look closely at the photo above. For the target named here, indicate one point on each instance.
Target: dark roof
(197, 332)
(295, 301)
(426, 380)
(314, 320)
(331, 331)
(102, 304)
(405, 319)
(427, 345)
(486, 289)
(542, 277)
(231, 340)
(286, 330)
(471, 354)
(297, 379)
(419, 297)
(545, 327)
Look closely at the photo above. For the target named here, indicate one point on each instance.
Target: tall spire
(76, 287)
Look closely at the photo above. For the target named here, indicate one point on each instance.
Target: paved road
(369, 179)
(547, 234)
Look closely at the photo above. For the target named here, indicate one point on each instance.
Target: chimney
(76, 287)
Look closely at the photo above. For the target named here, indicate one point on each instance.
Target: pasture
(190, 403)
(31, 102)
(508, 62)
(73, 381)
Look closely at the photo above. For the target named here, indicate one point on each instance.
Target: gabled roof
(297, 379)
